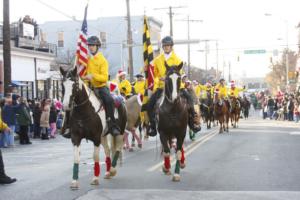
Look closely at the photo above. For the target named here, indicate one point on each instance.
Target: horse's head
(70, 79)
(172, 81)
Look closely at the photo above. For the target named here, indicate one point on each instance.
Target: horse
(207, 109)
(235, 111)
(87, 120)
(246, 107)
(173, 119)
(221, 113)
(134, 106)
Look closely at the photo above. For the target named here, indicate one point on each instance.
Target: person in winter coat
(23, 119)
(44, 121)
(52, 120)
(37, 112)
(9, 117)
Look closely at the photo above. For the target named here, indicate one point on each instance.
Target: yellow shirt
(2, 124)
(139, 87)
(222, 90)
(197, 90)
(160, 68)
(235, 91)
(98, 67)
(125, 87)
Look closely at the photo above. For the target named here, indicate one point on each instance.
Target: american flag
(82, 50)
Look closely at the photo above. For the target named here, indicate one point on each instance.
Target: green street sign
(255, 51)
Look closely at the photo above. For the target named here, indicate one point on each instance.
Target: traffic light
(271, 59)
(238, 58)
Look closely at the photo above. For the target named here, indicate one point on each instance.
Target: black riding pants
(151, 104)
(105, 96)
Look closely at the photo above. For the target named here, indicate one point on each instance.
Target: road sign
(255, 51)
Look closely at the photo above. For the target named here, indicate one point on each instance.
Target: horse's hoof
(182, 165)
(176, 178)
(112, 171)
(132, 145)
(95, 181)
(140, 146)
(107, 175)
(130, 149)
(74, 185)
(166, 171)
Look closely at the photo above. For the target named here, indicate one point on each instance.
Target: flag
(82, 50)
(148, 57)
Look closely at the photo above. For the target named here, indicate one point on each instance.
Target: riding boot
(113, 128)
(4, 179)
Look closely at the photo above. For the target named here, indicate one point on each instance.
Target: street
(258, 160)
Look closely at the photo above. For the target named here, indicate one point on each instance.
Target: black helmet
(93, 40)
(168, 40)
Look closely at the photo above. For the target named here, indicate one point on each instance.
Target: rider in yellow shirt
(234, 91)
(97, 76)
(222, 89)
(124, 85)
(139, 86)
(168, 56)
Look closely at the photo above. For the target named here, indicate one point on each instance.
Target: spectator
(44, 121)
(270, 105)
(9, 117)
(296, 112)
(52, 120)
(23, 119)
(37, 112)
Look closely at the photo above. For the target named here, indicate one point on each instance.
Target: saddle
(118, 100)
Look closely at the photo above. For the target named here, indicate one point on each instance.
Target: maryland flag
(148, 58)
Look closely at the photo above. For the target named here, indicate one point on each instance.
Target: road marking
(295, 133)
(188, 150)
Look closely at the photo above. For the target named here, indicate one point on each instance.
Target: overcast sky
(237, 24)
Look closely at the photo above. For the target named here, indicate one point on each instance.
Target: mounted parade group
(107, 111)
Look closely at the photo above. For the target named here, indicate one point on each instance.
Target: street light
(287, 48)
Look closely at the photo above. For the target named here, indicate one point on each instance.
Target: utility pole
(217, 60)
(188, 20)
(229, 71)
(170, 8)
(6, 47)
(129, 42)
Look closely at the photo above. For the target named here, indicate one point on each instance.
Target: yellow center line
(188, 150)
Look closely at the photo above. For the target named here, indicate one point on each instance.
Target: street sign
(255, 51)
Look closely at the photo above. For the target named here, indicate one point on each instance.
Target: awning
(17, 84)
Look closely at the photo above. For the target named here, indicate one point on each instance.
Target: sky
(236, 24)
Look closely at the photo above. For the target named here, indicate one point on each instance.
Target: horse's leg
(107, 156)
(167, 164)
(75, 183)
(179, 153)
(118, 147)
(126, 146)
(95, 180)
(136, 137)
(182, 160)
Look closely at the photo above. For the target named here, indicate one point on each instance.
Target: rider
(234, 91)
(222, 91)
(124, 85)
(139, 85)
(171, 58)
(97, 77)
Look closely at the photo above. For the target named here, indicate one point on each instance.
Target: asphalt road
(258, 160)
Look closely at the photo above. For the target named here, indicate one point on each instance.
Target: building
(113, 34)
(31, 59)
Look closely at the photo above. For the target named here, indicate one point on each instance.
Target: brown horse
(235, 111)
(173, 120)
(221, 113)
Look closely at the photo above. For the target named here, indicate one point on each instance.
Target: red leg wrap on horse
(108, 164)
(182, 156)
(167, 162)
(97, 169)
